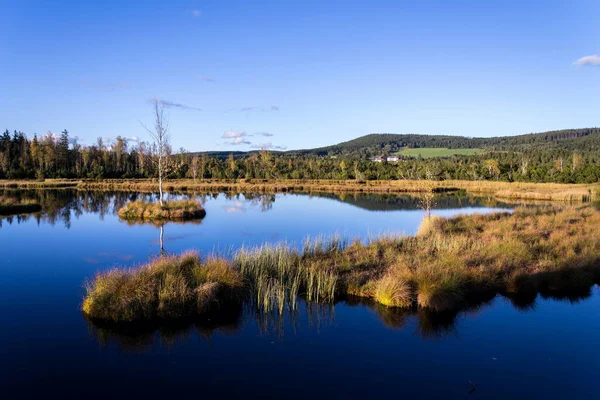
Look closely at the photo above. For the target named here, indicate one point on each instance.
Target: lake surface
(507, 348)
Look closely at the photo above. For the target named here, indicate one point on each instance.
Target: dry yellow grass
(506, 190)
(393, 291)
(35, 184)
(172, 210)
(168, 287)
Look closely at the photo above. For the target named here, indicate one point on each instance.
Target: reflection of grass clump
(10, 205)
(277, 275)
(172, 210)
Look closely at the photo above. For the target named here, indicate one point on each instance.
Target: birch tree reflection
(161, 239)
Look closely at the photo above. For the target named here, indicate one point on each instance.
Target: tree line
(57, 156)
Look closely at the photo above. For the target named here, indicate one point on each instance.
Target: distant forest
(378, 144)
(568, 156)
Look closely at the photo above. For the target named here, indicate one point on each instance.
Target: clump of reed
(277, 275)
(392, 291)
(439, 288)
(11, 205)
(167, 288)
(171, 210)
(273, 274)
(323, 245)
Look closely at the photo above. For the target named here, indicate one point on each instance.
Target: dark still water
(519, 348)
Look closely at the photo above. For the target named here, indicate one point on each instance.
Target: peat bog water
(537, 348)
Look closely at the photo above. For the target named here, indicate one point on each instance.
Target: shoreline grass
(557, 192)
(450, 264)
(176, 210)
(13, 206)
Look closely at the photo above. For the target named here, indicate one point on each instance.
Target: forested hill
(370, 145)
(586, 139)
(375, 143)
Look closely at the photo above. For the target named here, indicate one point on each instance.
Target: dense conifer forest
(566, 156)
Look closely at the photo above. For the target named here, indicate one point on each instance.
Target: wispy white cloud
(259, 108)
(55, 137)
(235, 207)
(238, 141)
(109, 141)
(234, 134)
(588, 61)
(241, 137)
(268, 146)
(171, 104)
(196, 13)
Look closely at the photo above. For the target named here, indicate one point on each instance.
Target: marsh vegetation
(176, 210)
(447, 265)
(567, 193)
(168, 287)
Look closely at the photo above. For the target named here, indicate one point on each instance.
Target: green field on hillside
(430, 152)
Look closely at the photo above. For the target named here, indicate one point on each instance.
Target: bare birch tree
(161, 136)
(195, 166)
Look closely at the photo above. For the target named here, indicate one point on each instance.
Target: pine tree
(62, 149)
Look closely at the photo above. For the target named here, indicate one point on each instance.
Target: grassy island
(451, 263)
(10, 206)
(177, 210)
(168, 287)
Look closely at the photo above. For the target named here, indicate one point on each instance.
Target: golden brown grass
(168, 287)
(451, 263)
(172, 210)
(505, 190)
(39, 184)
(393, 291)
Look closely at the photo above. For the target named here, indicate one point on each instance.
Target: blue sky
(298, 74)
